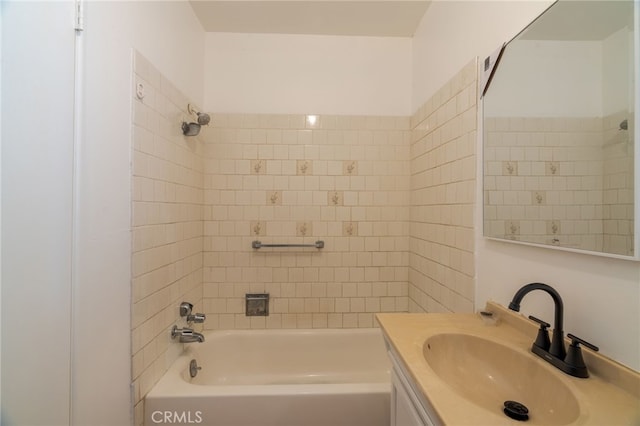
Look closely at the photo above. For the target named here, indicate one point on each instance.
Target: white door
(36, 182)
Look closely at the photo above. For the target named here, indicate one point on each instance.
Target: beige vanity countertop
(611, 396)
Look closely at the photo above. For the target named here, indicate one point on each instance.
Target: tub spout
(186, 335)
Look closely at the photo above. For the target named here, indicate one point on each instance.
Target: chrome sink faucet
(554, 351)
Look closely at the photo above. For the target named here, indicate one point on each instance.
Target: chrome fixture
(190, 129)
(258, 244)
(256, 304)
(186, 335)
(193, 128)
(185, 311)
(194, 368)
(203, 118)
(197, 318)
(624, 125)
(553, 351)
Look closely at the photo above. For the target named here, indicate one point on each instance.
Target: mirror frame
(491, 63)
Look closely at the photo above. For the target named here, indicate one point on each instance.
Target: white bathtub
(327, 377)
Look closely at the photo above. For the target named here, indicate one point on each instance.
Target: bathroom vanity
(464, 369)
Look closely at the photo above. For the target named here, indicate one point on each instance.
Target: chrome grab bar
(257, 244)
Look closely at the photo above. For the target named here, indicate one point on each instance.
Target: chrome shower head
(193, 129)
(203, 118)
(624, 125)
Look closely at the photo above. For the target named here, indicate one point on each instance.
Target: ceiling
(391, 18)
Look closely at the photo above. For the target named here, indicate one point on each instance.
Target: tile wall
(297, 179)
(563, 181)
(391, 197)
(167, 225)
(443, 188)
(618, 183)
(545, 181)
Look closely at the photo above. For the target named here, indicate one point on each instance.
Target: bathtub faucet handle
(185, 309)
(197, 318)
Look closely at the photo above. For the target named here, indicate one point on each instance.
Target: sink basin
(488, 373)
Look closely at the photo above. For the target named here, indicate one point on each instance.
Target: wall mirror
(560, 114)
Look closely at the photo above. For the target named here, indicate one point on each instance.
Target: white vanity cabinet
(403, 410)
(407, 408)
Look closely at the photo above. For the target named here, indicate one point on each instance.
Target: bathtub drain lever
(194, 368)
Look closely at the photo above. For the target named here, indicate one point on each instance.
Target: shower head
(624, 125)
(193, 129)
(203, 118)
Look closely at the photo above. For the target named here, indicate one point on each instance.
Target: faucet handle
(543, 324)
(185, 309)
(197, 318)
(574, 356)
(177, 332)
(542, 340)
(575, 341)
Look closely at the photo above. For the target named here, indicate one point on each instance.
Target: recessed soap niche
(257, 304)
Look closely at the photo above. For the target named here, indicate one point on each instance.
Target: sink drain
(516, 411)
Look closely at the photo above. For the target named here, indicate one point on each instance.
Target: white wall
(452, 32)
(602, 296)
(37, 155)
(170, 36)
(69, 359)
(298, 74)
